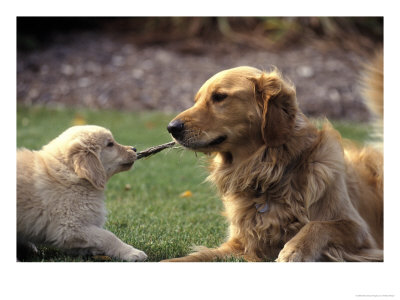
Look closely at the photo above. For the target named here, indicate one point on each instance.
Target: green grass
(151, 215)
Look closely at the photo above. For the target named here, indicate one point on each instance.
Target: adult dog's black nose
(134, 149)
(176, 128)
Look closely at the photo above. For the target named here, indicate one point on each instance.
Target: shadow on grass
(52, 254)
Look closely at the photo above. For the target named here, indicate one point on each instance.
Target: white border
(211, 280)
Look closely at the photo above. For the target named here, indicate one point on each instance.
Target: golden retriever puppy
(60, 192)
(291, 191)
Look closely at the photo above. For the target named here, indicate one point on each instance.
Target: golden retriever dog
(60, 193)
(291, 192)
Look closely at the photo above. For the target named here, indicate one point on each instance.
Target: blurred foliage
(271, 33)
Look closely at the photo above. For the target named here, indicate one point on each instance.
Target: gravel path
(96, 70)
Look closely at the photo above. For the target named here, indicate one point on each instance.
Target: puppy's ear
(87, 165)
(277, 101)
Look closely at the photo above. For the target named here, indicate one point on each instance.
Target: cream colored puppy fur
(60, 192)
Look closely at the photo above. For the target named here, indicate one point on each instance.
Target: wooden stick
(154, 150)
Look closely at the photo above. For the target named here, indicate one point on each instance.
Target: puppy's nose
(134, 149)
(175, 128)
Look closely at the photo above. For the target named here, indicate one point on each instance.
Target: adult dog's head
(236, 109)
(92, 153)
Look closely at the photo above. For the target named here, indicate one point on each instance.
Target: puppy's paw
(135, 255)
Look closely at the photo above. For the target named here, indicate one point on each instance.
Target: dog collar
(263, 209)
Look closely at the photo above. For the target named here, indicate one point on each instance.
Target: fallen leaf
(25, 122)
(101, 258)
(150, 125)
(186, 194)
(79, 120)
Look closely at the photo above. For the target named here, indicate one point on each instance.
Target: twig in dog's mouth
(154, 150)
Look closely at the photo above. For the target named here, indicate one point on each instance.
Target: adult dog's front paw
(189, 258)
(291, 253)
(171, 260)
(179, 259)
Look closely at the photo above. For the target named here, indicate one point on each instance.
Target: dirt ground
(96, 70)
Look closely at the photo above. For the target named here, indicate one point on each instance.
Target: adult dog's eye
(218, 97)
(110, 144)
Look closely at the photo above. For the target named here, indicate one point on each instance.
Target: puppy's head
(236, 107)
(93, 154)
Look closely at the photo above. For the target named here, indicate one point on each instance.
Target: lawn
(150, 215)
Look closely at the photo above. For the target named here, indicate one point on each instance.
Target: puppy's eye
(218, 97)
(110, 144)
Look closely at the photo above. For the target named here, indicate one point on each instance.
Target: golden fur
(60, 193)
(291, 192)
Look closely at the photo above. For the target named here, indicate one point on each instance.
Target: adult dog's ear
(277, 101)
(87, 165)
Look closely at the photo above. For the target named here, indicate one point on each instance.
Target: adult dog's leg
(231, 248)
(101, 241)
(315, 237)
